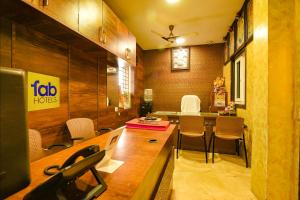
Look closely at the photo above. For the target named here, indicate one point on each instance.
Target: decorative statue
(219, 85)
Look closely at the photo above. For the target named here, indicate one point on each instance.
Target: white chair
(190, 104)
(81, 129)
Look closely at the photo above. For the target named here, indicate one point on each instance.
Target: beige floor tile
(226, 179)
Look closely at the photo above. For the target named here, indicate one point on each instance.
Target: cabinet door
(90, 19)
(123, 39)
(110, 30)
(64, 11)
(126, 44)
(132, 48)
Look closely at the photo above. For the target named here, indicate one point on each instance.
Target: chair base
(237, 143)
(179, 142)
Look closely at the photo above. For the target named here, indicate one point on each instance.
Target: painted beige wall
(270, 114)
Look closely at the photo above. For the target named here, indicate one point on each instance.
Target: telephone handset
(64, 184)
(85, 152)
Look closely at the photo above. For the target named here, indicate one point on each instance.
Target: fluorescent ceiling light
(172, 1)
(180, 40)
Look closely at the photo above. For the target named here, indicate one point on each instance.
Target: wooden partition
(82, 79)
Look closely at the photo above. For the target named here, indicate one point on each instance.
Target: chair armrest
(67, 145)
(103, 130)
(77, 138)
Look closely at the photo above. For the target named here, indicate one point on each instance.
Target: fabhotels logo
(43, 91)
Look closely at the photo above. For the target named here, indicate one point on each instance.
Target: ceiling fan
(171, 38)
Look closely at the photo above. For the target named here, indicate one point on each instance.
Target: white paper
(110, 166)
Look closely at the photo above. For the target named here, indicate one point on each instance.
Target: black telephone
(62, 186)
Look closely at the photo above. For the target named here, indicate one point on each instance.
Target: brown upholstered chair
(36, 150)
(81, 129)
(191, 126)
(230, 128)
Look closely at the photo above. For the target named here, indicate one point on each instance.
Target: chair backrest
(81, 128)
(190, 103)
(192, 124)
(226, 125)
(35, 145)
(162, 117)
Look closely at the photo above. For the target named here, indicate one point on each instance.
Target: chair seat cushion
(191, 134)
(227, 136)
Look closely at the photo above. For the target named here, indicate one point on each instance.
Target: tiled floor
(227, 179)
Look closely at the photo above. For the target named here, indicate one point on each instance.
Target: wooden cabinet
(93, 19)
(132, 47)
(64, 11)
(90, 19)
(126, 44)
(123, 39)
(110, 30)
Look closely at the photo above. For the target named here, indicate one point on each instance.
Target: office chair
(191, 126)
(190, 104)
(230, 128)
(36, 151)
(82, 129)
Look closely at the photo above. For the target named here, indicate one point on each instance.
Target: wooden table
(144, 174)
(177, 114)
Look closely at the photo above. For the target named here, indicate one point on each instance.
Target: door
(90, 19)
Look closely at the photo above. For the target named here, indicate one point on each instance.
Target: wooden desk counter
(139, 176)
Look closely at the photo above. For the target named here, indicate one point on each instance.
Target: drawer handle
(45, 2)
(127, 53)
(102, 35)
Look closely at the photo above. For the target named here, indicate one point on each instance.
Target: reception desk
(146, 172)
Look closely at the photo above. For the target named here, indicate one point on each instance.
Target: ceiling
(207, 21)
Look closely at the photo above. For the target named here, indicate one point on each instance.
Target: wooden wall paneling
(5, 42)
(38, 53)
(83, 85)
(206, 64)
(82, 76)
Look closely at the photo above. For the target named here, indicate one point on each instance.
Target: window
(124, 84)
(240, 80)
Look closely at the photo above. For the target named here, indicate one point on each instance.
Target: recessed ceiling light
(180, 40)
(172, 1)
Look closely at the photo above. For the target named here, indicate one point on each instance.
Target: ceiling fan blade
(157, 33)
(189, 34)
(166, 38)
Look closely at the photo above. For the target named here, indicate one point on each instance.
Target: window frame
(125, 84)
(239, 91)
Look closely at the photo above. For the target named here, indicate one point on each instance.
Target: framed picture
(231, 43)
(180, 58)
(240, 31)
(226, 49)
(250, 19)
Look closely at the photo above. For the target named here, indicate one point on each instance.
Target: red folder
(157, 126)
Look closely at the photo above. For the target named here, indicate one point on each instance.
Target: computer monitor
(14, 156)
